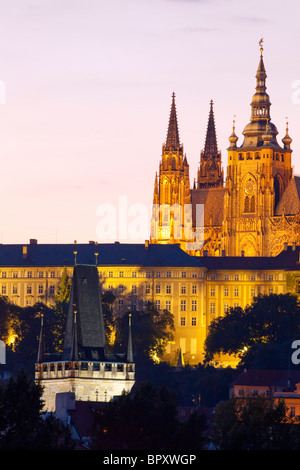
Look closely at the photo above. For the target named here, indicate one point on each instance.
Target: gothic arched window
(246, 204)
(252, 204)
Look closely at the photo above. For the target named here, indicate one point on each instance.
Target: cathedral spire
(210, 173)
(211, 147)
(173, 142)
(260, 105)
(260, 124)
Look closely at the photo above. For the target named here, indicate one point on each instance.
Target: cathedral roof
(213, 201)
(290, 201)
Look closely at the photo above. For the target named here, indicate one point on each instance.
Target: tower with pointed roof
(210, 172)
(258, 173)
(171, 217)
(84, 368)
(208, 194)
(255, 212)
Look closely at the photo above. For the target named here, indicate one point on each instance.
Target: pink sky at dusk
(88, 95)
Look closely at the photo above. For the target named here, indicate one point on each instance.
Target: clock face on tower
(249, 188)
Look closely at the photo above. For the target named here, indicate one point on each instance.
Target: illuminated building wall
(256, 210)
(194, 289)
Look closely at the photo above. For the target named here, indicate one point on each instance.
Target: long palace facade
(194, 289)
(250, 231)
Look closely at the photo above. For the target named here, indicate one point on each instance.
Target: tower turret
(171, 216)
(210, 173)
(258, 173)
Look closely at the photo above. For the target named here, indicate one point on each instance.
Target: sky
(86, 89)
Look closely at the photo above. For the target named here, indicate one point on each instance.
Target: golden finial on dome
(233, 138)
(287, 140)
(261, 45)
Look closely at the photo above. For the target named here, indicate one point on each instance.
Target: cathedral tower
(172, 215)
(210, 173)
(258, 173)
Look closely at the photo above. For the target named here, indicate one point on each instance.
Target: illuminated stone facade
(84, 368)
(257, 208)
(194, 289)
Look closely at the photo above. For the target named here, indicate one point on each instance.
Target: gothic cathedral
(255, 211)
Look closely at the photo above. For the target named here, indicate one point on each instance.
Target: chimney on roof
(223, 253)
(285, 246)
(146, 244)
(33, 241)
(242, 253)
(24, 252)
(205, 252)
(294, 246)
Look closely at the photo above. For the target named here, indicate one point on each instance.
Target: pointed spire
(260, 105)
(233, 138)
(287, 140)
(74, 346)
(173, 142)
(40, 356)
(211, 147)
(129, 347)
(210, 173)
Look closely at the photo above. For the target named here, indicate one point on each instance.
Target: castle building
(212, 246)
(196, 290)
(257, 208)
(84, 369)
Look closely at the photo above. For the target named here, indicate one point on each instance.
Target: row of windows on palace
(28, 274)
(193, 275)
(192, 304)
(158, 289)
(149, 274)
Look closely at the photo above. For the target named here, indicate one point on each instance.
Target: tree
(23, 353)
(254, 423)
(151, 332)
(9, 321)
(270, 320)
(146, 419)
(108, 299)
(60, 308)
(22, 425)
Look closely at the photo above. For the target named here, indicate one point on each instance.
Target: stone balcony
(84, 369)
